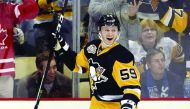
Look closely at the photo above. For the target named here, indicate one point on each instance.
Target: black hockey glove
(128, 104)
(62, 47)
(61, 43)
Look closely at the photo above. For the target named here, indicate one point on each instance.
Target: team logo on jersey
(92, 49)
(3, 36)
(96, 74)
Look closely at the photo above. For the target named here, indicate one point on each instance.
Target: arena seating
(26, 66)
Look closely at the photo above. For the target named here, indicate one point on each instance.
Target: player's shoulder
(92, 46)
(94, 43)
(122, 54)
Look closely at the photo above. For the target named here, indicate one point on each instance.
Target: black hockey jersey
(113, 76)
(177, 19)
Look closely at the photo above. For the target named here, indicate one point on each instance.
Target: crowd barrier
(84, 104)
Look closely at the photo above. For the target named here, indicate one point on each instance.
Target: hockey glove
(18, 35)
(128, 104)
(63, 49)
(61, 43)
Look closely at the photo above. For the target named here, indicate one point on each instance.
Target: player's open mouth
(109, 39)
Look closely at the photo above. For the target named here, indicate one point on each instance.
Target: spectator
(111, 66)
(158, 82)
(179, 20)
(44, 26)
(11, 14)
(55, 85)
(120, 8)
(148, 11)
(151, 38)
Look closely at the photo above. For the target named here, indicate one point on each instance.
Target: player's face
(51, 72)
(157, 64)
(149, 35)
(1, 1)
(108, 34)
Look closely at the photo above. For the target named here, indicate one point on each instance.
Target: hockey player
(114, 80)
(10, 15)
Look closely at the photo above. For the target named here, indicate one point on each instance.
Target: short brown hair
(44, 56)
(151, 53)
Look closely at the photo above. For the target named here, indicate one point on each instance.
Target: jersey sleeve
(27, 10)
(81, 65)
(172, 49)
(177, 19)
(177, 53)
(128, 79)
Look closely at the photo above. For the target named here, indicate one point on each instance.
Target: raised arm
(76, 63)
(98, 8)
(177, 19)
(27, 10)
